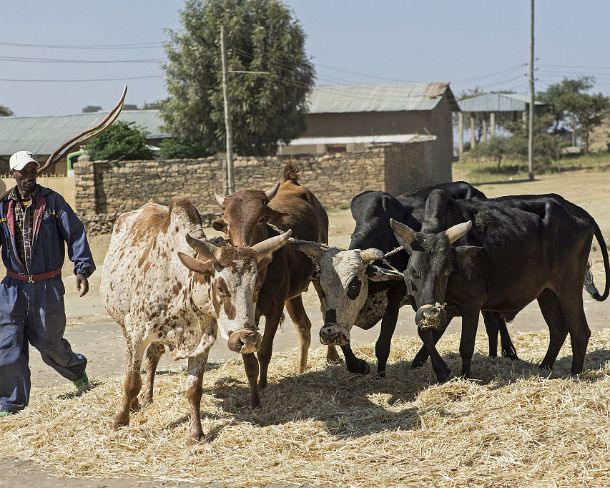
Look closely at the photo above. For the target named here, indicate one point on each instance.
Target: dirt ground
(93, 333)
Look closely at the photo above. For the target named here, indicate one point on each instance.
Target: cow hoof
(417, 364)
(511, 354)
(118, 423)
(380, 375)
(447, 376)
(545, 367)
(196, 438)
(361, 367)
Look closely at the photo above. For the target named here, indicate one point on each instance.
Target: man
(35, 222)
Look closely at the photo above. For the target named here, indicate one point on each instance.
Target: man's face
(26, 178)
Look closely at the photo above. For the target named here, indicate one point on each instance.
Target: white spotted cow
(167, 287)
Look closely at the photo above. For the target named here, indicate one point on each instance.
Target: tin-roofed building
(42, 135)
(340, 118)
(487, 106)
(350, 118)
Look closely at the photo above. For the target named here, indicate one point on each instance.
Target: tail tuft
(590, 285)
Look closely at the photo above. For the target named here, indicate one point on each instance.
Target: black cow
(358, 293)
(510, 251)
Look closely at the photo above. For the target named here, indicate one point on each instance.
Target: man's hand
(82, 285)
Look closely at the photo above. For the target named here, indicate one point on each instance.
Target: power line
(489, 75)
(79, 80)
(77, 61)
(138, 45)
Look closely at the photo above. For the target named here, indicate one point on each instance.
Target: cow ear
(219, 224)
(377, 273)
(204, 267)
(465, 256)
(312, 249)
(405, 236)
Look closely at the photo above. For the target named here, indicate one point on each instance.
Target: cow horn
(457, 231)
(271, 193)
(403, 231)
(220, 199)
(205, 248)
(86, 134)
(266, 248)
(371, 254)
(310, 248)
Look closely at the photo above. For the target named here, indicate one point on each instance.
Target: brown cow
(167, 288)
(286, 206)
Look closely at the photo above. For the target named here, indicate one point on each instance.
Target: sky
(468, 43)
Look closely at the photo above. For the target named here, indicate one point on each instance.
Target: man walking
(35, 225)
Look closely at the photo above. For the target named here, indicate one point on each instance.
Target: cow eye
(353, 288)
(222, 291)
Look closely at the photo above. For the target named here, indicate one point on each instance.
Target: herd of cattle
(446, 250)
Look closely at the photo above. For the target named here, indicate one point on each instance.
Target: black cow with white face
(498, 256)
(360, 291)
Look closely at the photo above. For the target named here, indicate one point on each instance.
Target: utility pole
(530, 144)
(230, 181)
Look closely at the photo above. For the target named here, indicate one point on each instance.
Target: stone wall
(105, 189)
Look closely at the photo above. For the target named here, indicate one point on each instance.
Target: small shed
(489, 105)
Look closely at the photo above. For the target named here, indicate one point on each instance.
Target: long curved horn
(403, 231)
(208, 249)
(220, 199)
(371, 254)
(266, 248)
(310, 248)
(271, 193)
(87, 134)
(457, 231)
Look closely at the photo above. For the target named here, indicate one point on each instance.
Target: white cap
(20, 160)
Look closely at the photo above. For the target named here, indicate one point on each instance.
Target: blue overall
(34, 312)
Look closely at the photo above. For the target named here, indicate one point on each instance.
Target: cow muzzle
(431, 316)
(334, 335)
(244, 341)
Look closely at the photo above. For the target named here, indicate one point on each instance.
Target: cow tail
(291, 172)
(589, 285)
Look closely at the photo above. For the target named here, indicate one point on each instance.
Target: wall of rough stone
(105, 189)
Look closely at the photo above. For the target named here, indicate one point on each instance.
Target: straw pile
(328, 427)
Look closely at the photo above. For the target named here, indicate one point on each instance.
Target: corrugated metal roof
(42, 135)
(378, 98)
(379, 139)
(496, 102)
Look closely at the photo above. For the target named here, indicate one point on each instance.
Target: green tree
(261, 35)
(571, 104)
(121, 141)
(5, 111)
(175, 149)
(547, 146)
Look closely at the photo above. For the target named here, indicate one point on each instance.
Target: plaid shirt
(24, 226)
